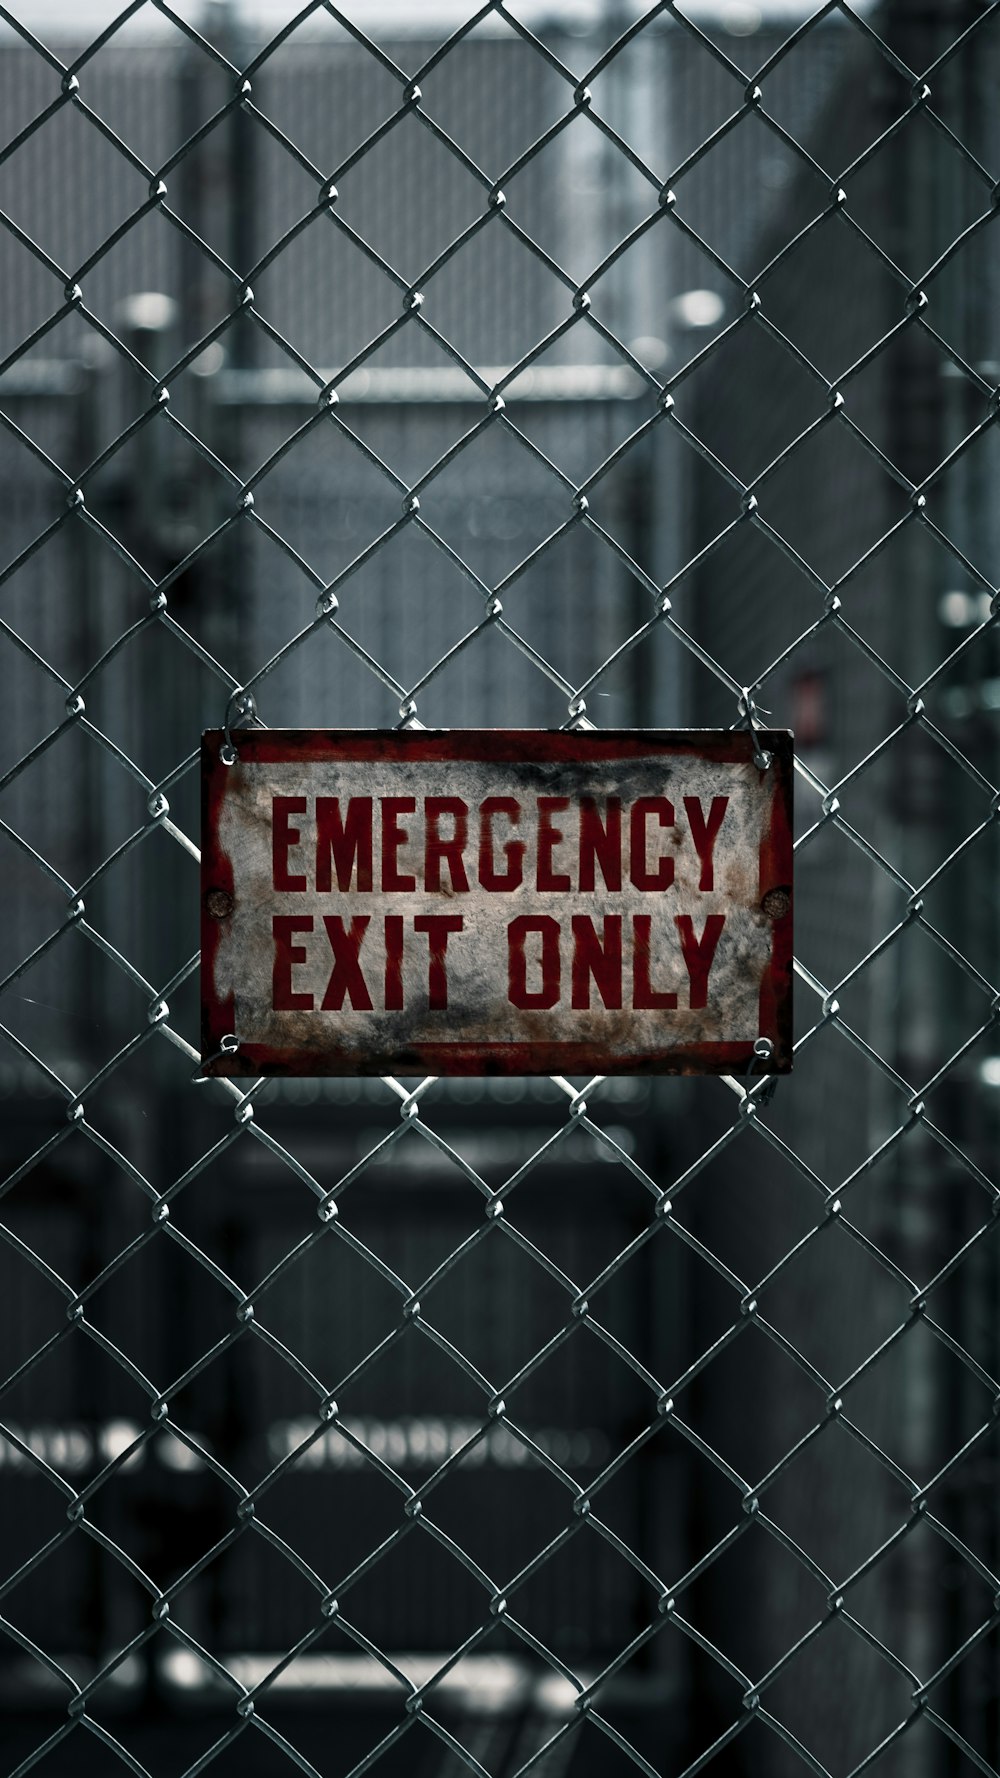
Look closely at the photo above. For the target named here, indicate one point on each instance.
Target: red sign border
(264, 746)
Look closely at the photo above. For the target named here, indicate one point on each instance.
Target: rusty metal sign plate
(496, 901)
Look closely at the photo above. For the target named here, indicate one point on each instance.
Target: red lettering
(646, 998)
(600, 959)
(601, 843)
(704, 834)
(642, 877)
(283, 927)
(346, 840)
(394, 836)
(393, 963)
(535, 1000)
(346, 978)
(548, 839)
(490, 878)
(699, 953)
(283, 836)
(437, 928)
(436, 848)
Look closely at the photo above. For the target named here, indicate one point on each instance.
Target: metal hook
(241, 704)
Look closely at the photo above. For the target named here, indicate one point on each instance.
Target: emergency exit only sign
(496, 902)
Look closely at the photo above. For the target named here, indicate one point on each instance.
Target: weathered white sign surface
(496, 902)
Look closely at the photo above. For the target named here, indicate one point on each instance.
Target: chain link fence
(502, 366)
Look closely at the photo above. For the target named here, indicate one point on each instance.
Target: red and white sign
(496, 901)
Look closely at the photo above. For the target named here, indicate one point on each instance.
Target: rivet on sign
(219, 904)
(776, 903)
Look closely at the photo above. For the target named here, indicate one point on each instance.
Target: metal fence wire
(511, 365)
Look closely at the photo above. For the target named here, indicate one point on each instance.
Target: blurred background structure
(520, 365)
